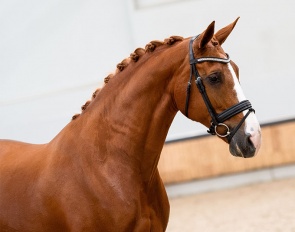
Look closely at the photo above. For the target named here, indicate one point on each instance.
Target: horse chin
(242, 146)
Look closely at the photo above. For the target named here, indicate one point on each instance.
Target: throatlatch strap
(188, 93)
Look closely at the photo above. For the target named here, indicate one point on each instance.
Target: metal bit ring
(224, 125)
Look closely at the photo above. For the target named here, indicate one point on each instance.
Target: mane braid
(87, 103)
(151, 46)
(107, 79)
(123, 64)
(139, 52)
(134, 56)
(173, 39)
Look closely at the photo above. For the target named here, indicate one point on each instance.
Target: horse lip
(250, 154)
(240, 149)
(242, 155)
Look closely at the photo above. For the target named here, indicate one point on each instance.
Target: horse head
(214, 96)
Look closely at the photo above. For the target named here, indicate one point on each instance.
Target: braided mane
(134, 57)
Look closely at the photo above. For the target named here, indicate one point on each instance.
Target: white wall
(53, 54)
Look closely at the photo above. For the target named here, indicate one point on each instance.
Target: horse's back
(16, 155)
(20, 168)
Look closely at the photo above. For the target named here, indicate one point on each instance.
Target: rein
(216, 119)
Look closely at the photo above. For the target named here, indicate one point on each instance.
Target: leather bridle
(216, 119)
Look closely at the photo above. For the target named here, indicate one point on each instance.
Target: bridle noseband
(216, 119)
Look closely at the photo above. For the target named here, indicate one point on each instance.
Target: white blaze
(252, 126)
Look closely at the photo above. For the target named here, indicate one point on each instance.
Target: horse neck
(130, 117)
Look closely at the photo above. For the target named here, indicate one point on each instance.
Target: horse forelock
(134, 57)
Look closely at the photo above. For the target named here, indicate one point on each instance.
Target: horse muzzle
(244, 144)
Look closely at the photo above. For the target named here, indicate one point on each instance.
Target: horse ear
(207, 35)
(223, 33)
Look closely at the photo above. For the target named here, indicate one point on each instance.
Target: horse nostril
(248, 139)
(250, 146)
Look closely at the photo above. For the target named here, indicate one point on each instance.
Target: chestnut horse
(100, 172)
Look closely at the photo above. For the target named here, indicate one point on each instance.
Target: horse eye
(214, 78)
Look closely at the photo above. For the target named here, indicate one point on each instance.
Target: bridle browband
(216, 119)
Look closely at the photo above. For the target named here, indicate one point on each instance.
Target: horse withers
(100, 172)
